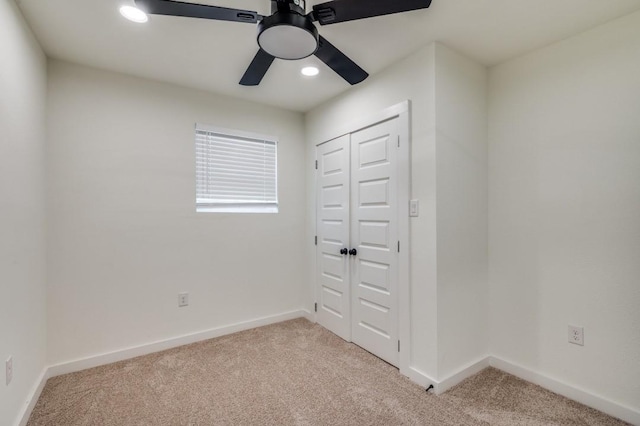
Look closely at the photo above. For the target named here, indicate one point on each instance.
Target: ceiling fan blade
(349, 10)
(339, 62)
(192, 10)
(257, 69)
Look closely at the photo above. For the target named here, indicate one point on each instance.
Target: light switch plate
(8, 366)
(414, 208)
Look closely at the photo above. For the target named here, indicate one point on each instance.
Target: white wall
(22, 210)
(124, 237)
(462, 212)
(413, 79)
(564, 181)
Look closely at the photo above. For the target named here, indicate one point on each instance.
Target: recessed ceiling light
(134, 14)
(310, 71)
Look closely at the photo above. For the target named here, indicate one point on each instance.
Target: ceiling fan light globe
(288, 36)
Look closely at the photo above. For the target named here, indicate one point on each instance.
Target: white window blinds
(235, 172)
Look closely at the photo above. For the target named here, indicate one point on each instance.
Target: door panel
(332, 227)
(374, 193)
(374, 276)
(374, 233)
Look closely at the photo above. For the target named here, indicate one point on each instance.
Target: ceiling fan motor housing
(288, 35)
(285, 5)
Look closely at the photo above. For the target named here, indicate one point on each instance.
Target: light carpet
(291, 373)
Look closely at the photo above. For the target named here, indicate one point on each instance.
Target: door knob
(344, 251)
(353, 252)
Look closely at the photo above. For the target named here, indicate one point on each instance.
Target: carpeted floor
(292, 373)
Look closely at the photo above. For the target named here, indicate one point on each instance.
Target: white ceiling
(213, 55)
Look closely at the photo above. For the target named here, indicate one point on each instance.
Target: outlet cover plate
(576, 335)
(183, 300)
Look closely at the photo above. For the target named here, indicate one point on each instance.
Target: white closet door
(374, 234)
(332, 191)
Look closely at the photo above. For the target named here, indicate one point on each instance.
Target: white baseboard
(589, 399)
(311, 316)
(128, 353)
(464, 373)
(420, 378)
(441, 386)
(23, 417)
(614, 409)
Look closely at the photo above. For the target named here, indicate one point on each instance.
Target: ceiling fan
(289, 33)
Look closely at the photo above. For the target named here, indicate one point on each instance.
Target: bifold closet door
(374, 234)
(332, 227)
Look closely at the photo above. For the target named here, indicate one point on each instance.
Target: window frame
(242, 206)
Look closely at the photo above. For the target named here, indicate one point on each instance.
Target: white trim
(314, 249)
(439, 387)
(368, 121)
(420, 378)
(574, 393)
(132, 352)
(464, 373)
(598, 402)
(30, 404)
(237, 208)
(404, 234)
(310, 316)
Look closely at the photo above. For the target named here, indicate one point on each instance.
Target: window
(235, 171)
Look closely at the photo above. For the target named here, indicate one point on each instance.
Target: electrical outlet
(183, 300)
(8, 366)
(576, 335)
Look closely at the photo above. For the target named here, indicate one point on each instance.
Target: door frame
(401, 111)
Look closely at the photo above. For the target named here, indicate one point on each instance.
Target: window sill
(237, 209)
